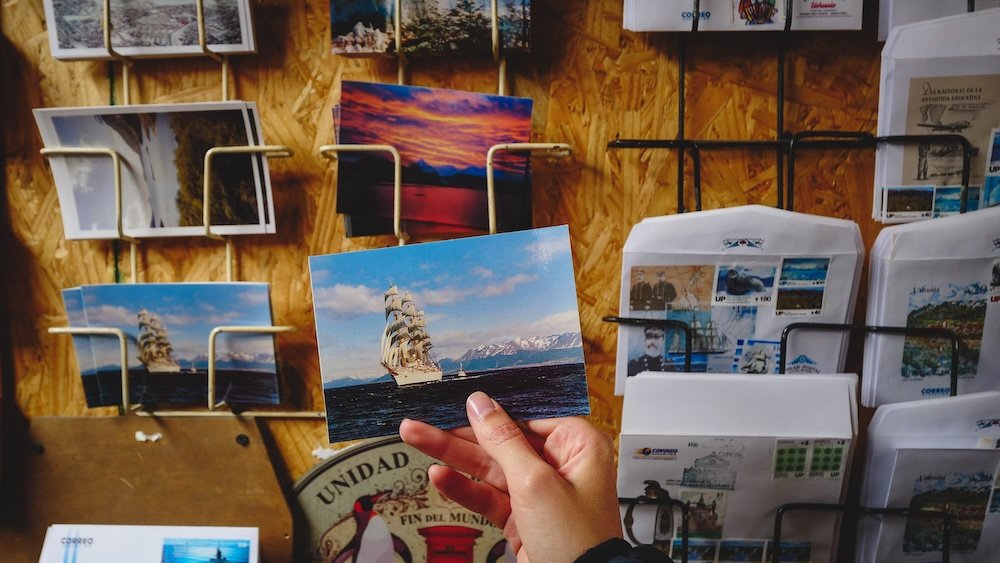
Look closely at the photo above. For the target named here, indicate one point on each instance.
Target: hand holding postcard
(411, 331)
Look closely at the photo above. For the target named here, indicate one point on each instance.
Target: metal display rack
(785, 148)
(786, 143)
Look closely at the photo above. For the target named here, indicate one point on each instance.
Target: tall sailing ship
(405, 345)
(155, 349)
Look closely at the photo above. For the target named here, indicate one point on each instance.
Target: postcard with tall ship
(162, 150)
(443, 137)
(147, 28)
(167, 328)
(428, 26)
(411, 331)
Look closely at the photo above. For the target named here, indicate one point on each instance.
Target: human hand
(549, 485)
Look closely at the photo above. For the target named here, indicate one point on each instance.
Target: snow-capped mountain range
(518, 345)
(566, 348)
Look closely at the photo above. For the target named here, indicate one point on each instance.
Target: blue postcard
(167, 329)
(411, 331)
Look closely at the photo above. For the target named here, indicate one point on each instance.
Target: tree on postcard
(233, 191)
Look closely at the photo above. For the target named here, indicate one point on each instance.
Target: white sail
(405, 343)
(153, 343)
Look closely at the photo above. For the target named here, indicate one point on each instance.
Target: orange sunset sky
(442, 127)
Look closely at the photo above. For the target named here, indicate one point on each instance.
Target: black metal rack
(854, 511)
(855, 329)
(786, 143)
(673, 503)
(681, 326)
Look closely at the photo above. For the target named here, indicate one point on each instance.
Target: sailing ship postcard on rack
(167, 328)
(162, 150)
(443, 137)
(411, 331)
(428, 26)
(147, 28)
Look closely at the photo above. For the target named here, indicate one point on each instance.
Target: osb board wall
(591, 82)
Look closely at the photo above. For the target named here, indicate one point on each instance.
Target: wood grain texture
(591, 82)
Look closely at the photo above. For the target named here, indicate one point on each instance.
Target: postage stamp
(744, 284)
(908, 202)
(756, 356)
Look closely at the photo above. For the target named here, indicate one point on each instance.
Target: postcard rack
(855, 329)
(552, 149)
(127, 407)
(127, 62)
(786, 143)
(267, 151)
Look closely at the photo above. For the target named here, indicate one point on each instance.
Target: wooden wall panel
(591, 82)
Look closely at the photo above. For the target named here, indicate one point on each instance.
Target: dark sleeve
(617, 550)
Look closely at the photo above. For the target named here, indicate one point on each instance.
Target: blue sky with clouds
(474, 291)
(189, 312)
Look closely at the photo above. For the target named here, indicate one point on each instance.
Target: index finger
(461, 454)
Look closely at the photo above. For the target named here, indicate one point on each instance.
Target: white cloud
(254, 298)
(443, 296)
(348, 301)
(545, 248)
(109, 315)
(506, 286)
(567, 321)
(482, 272)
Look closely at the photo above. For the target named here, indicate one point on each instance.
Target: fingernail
(480, 404)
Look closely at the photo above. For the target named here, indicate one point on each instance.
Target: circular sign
(373, 502)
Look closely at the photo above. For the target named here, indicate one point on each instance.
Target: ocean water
(376, 409)
(235, 387)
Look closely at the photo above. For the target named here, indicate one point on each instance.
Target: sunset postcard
(443, 137)
(410, 331)
(167, 328)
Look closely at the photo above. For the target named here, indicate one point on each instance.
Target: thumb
(499, 435)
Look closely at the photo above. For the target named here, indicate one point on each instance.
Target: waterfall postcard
(167, 327)
(443, 137)
(410, 331)
(162, 150)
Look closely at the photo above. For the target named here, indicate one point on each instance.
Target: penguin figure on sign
(372, 542)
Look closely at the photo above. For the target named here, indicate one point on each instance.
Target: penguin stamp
(744, 284)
